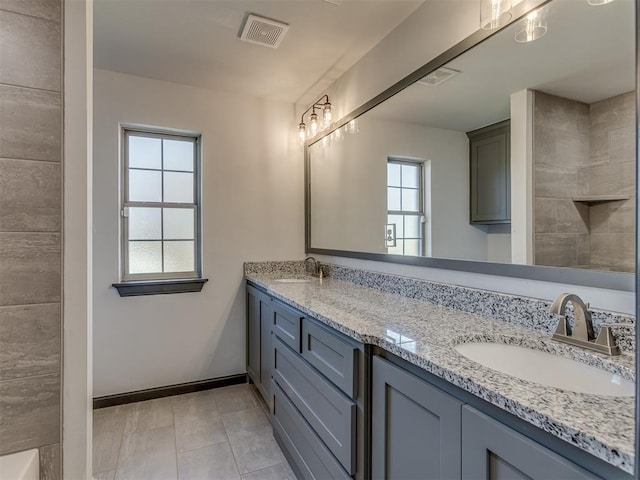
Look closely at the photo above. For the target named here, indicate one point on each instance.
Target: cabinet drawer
(310, 455)
(287, 323)
(332, 356)
(331, 414)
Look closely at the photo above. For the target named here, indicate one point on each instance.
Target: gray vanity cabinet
(312, 379)
(259, 353)
(493, 451)
(490, 174)
(415, 427)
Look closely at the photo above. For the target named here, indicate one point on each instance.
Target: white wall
(436, 26)
(522, 177)
(349, 196)
(252, 210)
(430, 30)
(77, 427)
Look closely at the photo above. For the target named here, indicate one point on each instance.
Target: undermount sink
(292, 280)
(547, 369)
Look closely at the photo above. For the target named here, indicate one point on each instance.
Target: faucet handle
(605, 338)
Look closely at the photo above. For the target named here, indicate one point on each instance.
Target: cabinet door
(491, 450)
(253, 334)
(415, 427)
(490, 177)
(266, 349)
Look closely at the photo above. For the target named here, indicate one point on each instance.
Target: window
(405, 207)
(160, 209)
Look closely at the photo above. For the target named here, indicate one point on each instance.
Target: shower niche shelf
(595, 199)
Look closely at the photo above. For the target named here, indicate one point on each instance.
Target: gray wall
(30, 229)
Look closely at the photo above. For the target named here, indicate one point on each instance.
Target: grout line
(233, 453)
(34, 160)
(124, 426)
(175, 436)
(35, 89)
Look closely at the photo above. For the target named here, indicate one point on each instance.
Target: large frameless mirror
(515, 157)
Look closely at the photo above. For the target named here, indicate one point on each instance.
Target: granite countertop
(424, 334)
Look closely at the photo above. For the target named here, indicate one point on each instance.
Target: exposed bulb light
(532, 27)
(326, 112)
(598, 2)
(494, 13)
(302, 132)
(315, 123)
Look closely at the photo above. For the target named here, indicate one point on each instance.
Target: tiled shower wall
(584, 149)
(30, 229)
(561, 167)
(612, 170)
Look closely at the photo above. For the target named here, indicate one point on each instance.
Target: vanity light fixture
(532, 27)
(494, 13)
(314, 121)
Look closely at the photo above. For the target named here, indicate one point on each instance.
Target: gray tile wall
(561, 169)
(612, 171)
(30, 229)
(579, 150)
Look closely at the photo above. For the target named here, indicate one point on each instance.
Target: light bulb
(494, 13)
(302, 131)
(532, 27)
(338, 136)
(326, 112)
(313, 124)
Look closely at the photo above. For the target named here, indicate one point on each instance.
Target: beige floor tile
(282, 471)
(256, 453)
(216, 434)
(111, 475)
(197, 432)
(148, 454)
(235, 398)
(117, 409)
(214, 462)
(108, 427)
(195, 404)
(150, 414)
(246, 424)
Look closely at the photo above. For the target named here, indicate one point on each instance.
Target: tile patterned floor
(220, 434)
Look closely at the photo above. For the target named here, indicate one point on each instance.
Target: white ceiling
(588, 54)
(195, 42)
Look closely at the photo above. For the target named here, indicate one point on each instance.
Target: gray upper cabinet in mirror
(399, 189)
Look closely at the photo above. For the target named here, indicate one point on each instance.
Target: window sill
(159, 287)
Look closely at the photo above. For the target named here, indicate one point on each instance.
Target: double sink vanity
(369, 375)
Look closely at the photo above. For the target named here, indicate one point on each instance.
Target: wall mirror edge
(618, 281)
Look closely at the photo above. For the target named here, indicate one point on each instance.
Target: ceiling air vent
(263, 31)
(438, 76)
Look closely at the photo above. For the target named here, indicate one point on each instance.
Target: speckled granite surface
(424, 334)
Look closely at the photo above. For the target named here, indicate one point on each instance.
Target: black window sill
(159, 287)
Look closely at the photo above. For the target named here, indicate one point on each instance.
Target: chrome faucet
(581, 334)
(317, 268)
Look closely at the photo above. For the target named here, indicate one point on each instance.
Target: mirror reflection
(514, 152)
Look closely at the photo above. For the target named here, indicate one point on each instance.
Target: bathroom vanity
(363, 380)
